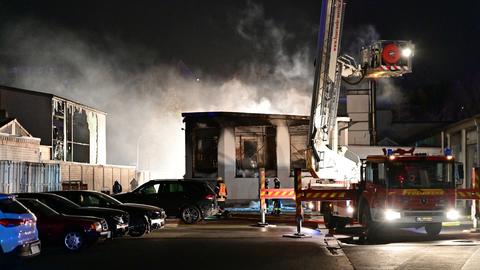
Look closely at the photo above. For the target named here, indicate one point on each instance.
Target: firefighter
(221, 191)
(277, 203)
(267, 201)
(117, 188)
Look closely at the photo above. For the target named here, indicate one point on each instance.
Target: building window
(255, 148)
(298, 147)
(58, 136)
(71, 135)
(205, 152)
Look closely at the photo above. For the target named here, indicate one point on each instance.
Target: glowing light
(407, 52)
(453, 214)
(392, 215)
(350, 209)
(310, 205)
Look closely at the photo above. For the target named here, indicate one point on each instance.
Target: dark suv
(191, 200)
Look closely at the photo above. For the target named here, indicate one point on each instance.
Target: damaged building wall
(74, 132)
(244, 143)
(78, 133)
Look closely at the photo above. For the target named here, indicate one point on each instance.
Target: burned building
(74, 132)
(234, 145)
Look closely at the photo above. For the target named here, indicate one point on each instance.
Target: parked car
(73, 232)
(18, 231)
(143, 218)
(117, 220)
(190, 200)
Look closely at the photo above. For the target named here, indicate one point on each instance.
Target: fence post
(298, 205)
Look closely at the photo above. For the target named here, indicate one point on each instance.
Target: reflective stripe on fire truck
(468, 194)
(393, 67)
(424, 192)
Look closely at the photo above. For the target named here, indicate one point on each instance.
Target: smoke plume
(144, 102)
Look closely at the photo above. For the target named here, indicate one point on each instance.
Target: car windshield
(38, 208)
(108, 199)
(420, 174)
(65, 202)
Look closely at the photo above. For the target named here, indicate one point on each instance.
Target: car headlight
(392, 214)
(98, 226)
(453, 214)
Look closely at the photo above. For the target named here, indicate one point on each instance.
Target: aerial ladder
(382, 59)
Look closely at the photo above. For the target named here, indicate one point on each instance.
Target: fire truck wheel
(330, 220)
(433, 229)
(369, 226)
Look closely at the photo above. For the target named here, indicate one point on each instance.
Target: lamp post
(138, 149)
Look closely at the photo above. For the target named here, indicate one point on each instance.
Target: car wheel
(433, 229)
(73, 241)
(142, 228)
(190, 214)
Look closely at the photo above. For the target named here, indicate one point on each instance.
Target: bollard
(263, 208)
(475, 203)
(298, 205)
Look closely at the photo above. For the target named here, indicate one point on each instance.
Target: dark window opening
(298, 147)
(255, 148)
(205, 152)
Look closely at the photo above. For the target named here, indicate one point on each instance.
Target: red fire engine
(402, 189)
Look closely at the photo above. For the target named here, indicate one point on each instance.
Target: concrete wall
(226, 163)
(101, 177)
(283, 153)
(19, 148)
(357, 110)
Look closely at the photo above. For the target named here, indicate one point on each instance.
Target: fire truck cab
(401, 189)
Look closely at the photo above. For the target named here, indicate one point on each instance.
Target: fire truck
(394, 188)
(400, 188)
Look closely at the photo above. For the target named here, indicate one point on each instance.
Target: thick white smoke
(144, 101)
(144, 105)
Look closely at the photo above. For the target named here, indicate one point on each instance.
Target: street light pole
(138, 149)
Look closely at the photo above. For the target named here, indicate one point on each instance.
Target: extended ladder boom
(326, 86)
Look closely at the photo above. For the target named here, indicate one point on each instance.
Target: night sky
(202, 33)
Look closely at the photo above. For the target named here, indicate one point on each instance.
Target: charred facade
(73, 131)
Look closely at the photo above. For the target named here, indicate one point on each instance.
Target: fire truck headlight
(392, 214)
(453, 214)
(310, 205)
(407, 52)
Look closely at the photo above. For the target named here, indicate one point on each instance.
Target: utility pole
(373, 112)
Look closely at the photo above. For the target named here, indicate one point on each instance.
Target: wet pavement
(234, 244)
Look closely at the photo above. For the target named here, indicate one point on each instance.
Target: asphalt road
(234, 244)
(454, 248)
(211, 245)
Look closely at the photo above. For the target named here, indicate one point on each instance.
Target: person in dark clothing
(117, 188)
(277, 203)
